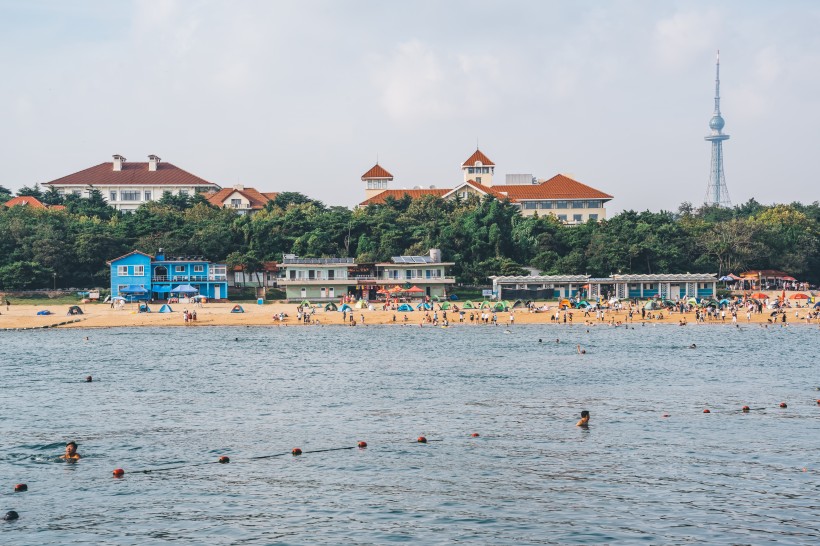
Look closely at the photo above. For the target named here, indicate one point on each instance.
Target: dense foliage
(39, 247)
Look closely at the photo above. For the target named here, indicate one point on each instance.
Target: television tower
(717, 193)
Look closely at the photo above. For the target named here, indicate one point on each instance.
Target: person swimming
(581, 351)
(584, 422)
(71, 452)
(693, 346)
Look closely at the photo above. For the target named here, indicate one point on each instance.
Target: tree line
(483, 236)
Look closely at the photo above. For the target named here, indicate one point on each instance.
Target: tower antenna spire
(717, 194)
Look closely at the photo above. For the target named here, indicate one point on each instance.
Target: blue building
(161, 275)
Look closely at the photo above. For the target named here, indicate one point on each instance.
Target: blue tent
(404, 307)
(161, 289)
(237, 309)
(144, 308)
(133, 289)
(344, 308)
(166, 309)
(44, 312)
(184, 289)
(425, 306)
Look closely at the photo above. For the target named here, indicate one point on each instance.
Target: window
(546, 204)
(139, 270)
(594, 204)
(593, 217)
(113, 196)
(292, 275)
(179, 269)
(120, 287)
(199, 269)
(311, 274)
(578, 204)
(649, 286)
(478, 179)
(562, 217)
(147, 196)
(561, 205)
(331, 274)
(122, 270)
(578, 218)
(183, 192)
(78, 193)
(130, 195)
(529, 204)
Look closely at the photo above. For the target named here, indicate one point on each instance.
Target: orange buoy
(422, 440)
(818, 402)
(296, 451)
(783, 405)
(706, 411)
(745, 409)
(475, 435)
(118, 472)
(224, 460)
(362, 444)
(20, 487)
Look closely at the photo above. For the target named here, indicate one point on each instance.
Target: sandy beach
(99, 315)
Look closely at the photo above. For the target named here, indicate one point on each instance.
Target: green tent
(445, 306)
(305, 303)
(331, 307)
(500, 306)
(468, 305)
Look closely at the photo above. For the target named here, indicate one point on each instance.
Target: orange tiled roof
(132, 174)
(25, 201)
(557, 187)
(257, 199)
(377, 171)
(478, 156)
(399, 194)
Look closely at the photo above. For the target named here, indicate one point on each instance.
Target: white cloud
(684, 37)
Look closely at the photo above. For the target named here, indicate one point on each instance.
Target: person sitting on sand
(584, 422)
(71, 452)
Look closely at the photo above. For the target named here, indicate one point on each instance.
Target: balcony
(314, 280)
(189, 278)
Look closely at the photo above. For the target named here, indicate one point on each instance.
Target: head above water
(585, 414)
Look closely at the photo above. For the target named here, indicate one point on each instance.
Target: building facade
(561, 196)
(159, 275)
(667, 287)
(328, 279)
(127, 185)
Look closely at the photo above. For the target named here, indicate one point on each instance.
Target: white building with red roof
(561, 196)
(127, 185)
(241, 199)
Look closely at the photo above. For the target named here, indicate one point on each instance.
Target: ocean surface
(165, 404)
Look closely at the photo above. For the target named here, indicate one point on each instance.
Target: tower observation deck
(717, 193)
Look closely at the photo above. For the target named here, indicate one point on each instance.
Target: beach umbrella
(799, 297)
(726, 278)
(118, 298)
(787, 279)
(414, 290)
(759, 296)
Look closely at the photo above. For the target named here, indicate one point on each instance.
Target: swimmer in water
(71, 452)
(581, 351)
(584, 422)
(693, 346)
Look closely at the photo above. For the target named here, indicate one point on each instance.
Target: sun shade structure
(183, 289)
(133, 289)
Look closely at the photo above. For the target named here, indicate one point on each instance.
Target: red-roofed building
(126, 186)
(562, 196)
(241, 199)
(29, 201)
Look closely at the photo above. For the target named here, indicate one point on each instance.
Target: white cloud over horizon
(301, 96)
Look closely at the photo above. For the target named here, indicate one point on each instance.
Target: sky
(306, 95)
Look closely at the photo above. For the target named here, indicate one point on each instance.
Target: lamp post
(54, 275)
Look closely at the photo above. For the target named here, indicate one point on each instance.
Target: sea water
(173, 400)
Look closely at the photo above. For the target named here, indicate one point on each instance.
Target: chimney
(238, 187)
(118, 161)
(153, 162)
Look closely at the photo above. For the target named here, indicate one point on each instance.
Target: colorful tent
(305, 303)
(405, 307)
(74, 310)
(485, 305)
(331, 307)
(564, 304)
(468, 305)
(425, 306)
(166, 309)
(445, 306)
(501, 306)
(361, 304)
(519, 303)
(345, 308)
(237, 309)
(143, 308)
